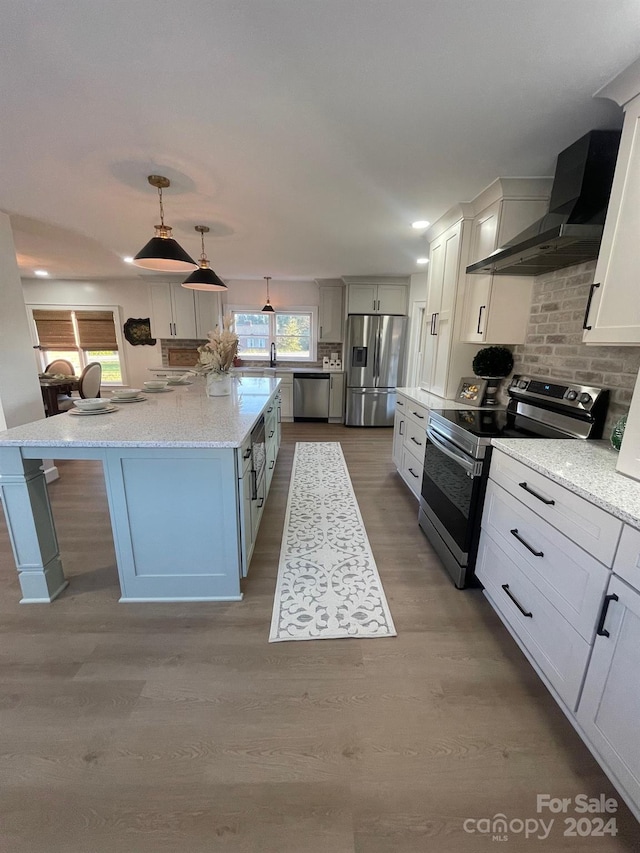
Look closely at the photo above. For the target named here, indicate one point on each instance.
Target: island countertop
(181, 417)
(588, 468)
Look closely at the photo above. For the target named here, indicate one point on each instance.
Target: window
(291, 331)
(80, 336)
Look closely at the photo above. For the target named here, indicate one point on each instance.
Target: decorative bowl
(91, 404)
(155, 384)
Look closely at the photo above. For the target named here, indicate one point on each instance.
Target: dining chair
(60, 365)
(88, 386)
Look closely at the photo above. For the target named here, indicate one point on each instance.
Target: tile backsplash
(324, 349)
(553, 346)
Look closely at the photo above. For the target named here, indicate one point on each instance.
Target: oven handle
(471, 468)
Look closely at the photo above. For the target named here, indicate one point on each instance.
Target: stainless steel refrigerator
(375, 367)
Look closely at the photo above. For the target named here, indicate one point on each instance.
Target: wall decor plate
(138, 331)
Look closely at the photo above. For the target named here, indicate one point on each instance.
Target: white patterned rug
(328, 584)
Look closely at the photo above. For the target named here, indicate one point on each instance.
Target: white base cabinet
(564, 577)
(409, 441)
(336, 397)
(609, 710)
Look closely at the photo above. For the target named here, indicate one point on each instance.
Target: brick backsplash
(553, 346)
(324, 349)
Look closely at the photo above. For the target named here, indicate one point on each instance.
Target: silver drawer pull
(415, 441)
(505, 587)
(415, 475)
(546, 501)
(535, 553)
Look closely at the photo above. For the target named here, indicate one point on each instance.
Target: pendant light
(268, 308)
(162, 252)
(204, 277)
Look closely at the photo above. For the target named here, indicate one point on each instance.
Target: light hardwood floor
(156, 728)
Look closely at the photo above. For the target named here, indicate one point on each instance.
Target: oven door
(453, 486)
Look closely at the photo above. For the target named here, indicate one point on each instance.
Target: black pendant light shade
(268, 308)
(204, 277)
(162, 253)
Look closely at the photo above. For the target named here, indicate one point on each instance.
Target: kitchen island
(184, 503)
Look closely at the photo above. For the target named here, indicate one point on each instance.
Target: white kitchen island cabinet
(177, 483)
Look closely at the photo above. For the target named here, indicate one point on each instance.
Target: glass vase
(218, 384)
(617, 433)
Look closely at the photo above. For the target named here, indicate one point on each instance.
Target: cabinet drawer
(418, 414)
(627, 562)
(551, 642)
(415, 439)
(572, 581)
(411, 471)
(586, 524)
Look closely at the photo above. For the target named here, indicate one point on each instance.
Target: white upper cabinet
(496, 309)
(178, 312)
(174, 314)
(376, 296)
(331, 313)
(613, 312)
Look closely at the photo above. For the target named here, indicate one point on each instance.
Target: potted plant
(492, 364)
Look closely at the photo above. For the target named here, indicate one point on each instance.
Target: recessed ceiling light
(420, 224)
(128, 259)
(422, 261)
(41, 273)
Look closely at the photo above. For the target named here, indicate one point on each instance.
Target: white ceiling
(307, 134)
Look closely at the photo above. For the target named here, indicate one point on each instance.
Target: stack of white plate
(127, 395)
(92, 406)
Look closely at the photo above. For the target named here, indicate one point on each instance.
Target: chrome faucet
(272, 357)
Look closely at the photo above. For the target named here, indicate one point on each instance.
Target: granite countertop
(249, 369)
(430, 401)
(588, 468)
(181, 417)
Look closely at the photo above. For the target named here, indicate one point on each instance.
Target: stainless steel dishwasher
(311, 396)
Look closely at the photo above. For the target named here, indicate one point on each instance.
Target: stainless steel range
(458, 452)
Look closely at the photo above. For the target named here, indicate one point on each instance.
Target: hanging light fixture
(268, 308)
(204, 277)
(162, 252)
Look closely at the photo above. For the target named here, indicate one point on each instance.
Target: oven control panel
(574, 396)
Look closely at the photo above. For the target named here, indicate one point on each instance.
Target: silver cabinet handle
(320, 332)
(271, 464)
(260, 503)
(401, 431)
(482, 307)
(374, 304)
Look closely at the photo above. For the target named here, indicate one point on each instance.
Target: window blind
(55, 329)
(96, 330)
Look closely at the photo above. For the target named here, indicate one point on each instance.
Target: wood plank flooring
(133, 728)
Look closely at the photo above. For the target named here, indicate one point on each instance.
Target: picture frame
(471, 390)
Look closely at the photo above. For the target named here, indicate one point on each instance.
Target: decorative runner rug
(328, 584)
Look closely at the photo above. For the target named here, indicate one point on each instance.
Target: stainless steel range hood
(572, 230)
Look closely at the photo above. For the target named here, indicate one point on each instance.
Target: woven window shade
(55, 329)
(96, 330)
